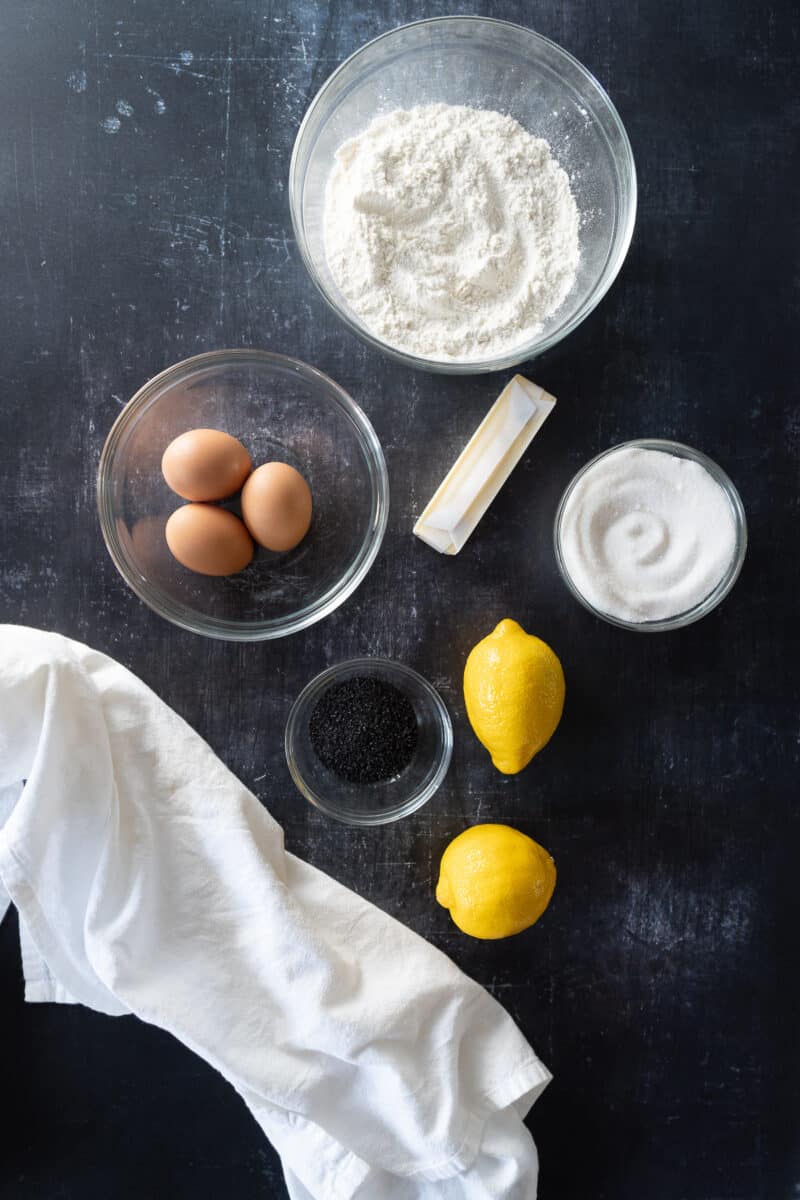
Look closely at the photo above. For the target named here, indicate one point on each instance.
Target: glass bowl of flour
(463, 193)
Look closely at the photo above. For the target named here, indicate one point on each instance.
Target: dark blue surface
(661, 985)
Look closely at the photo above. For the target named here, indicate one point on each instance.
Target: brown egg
(205, 464)
(276, 506)
(209, 540)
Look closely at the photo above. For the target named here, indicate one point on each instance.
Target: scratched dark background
(144, 153)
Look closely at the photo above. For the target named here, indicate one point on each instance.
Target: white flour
(451, 231)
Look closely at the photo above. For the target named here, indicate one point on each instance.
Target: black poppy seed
(364, 730)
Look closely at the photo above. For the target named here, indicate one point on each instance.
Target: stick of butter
(484, 465)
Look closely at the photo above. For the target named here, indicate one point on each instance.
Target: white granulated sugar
(646, 535)
(452, 232)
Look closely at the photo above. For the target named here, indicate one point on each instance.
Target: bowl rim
(225, 629)
(717, 593)
(394, 670)
(537, 345)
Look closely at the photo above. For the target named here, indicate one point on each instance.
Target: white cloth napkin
(150, 881)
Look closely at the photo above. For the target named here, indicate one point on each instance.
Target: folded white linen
(148, 880)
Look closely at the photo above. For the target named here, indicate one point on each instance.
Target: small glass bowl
(391, 799)
(481, 63)
(281, 409)
(717, 594)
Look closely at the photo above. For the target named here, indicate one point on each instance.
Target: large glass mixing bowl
(489, 64)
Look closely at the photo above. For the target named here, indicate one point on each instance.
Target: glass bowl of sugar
(463, 193)
(650, 535)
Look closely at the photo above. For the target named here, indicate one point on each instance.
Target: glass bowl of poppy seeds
(368, 741)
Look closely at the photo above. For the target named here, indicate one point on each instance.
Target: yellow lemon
(514, 692)
(495, 881)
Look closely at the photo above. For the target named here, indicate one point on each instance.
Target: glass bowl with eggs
(463, 193)
(242, 495)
